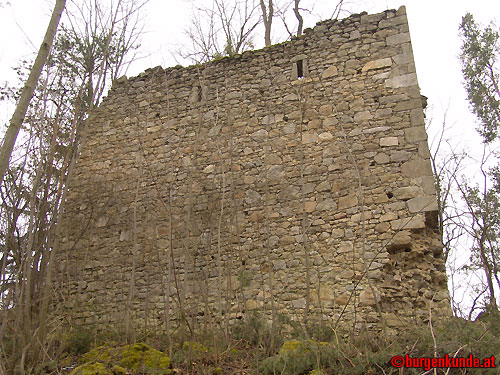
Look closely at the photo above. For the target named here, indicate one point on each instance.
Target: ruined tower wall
(208, 192)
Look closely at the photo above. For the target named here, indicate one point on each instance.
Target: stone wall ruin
(293, 179)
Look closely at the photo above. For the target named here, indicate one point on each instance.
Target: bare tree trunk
(29, 88)
(267, 16)
(299, 17)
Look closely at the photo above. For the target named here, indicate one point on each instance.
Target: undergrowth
(253, 348)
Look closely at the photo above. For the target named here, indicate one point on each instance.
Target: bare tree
(224, 29)
(267, 16)
(29, 88)
(296, 11)
(83, 61)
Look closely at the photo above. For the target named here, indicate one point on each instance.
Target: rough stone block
(376, 129)
(397, 155)
(414, 222)
(389, 141)
(377, 64)
(348, 201)
(404, 80)
(415, 134)
(429, 185)
(382, 227)
(362, 116)
(330, 72)
(417, 168)
(324, 137)
(401, 239)
(422, 204)
(309, 138)
(310, 206)
(417, 117)
(382, 158)
(259, 135)
(398, 39)
(406, 193)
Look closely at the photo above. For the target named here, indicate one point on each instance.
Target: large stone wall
(208, 192)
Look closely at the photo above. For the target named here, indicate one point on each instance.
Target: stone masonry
(291, 180)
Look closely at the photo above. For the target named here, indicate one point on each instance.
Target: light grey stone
(405, 80)
(422, 204)
(362, 116)
(259, 135)
(377, 64)
(398, 39)
(417, 168)
(388, 141)
(415, 134)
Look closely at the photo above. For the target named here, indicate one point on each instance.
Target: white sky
(433, 29)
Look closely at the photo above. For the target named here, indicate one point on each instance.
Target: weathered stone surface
(376, 129)
(310, 206)
(382, 227)
(417, 168)
(397, 155)
(377, 64)
(400, 239)
(398, 39)
(329, 72)
(366, 298)
(417, 117)
(414, 222)
(422, 204)
(405, 80)
(324, 137)
(362, 116)
(259, 135)
(348, 201)
(389, 141)
(220, 176)
(309, 138)
(415, 134)
(382, 158)
(407, 192)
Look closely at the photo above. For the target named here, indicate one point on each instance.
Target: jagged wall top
(318, 30)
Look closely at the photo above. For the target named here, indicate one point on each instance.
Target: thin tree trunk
(29, 88)
(267, 16)
(299, 17)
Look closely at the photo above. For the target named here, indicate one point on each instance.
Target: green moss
(118, 360)
(91, 368)
(118, 370)
(316, 372)
(298, 346)
(216, 371)
(145, 358)
(292, 346)
(99, 354)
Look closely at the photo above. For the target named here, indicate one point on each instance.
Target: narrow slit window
(300, 69)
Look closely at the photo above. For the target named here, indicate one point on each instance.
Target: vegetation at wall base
(209, 353)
